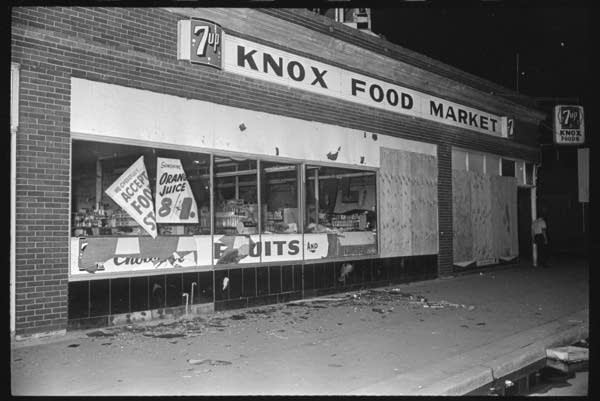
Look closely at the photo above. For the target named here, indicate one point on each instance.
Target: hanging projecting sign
(132, 192)
(568, 125)
(175, 202)
(199, 41)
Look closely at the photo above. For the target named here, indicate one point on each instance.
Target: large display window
(279, 186)
(138, 208)
(236, 220)
(342, 203)
(183, 182)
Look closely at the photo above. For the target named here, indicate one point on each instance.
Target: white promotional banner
(280, 247)
(132, 192)
(98, 256)
(175, 201)
(316, 246)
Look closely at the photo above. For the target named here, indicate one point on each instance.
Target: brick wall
(42, 196)
(136, 47)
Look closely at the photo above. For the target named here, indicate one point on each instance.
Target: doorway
(524, 222)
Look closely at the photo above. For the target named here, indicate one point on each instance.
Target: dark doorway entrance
(524, 222)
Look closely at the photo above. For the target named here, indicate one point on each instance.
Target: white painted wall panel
(120, 112)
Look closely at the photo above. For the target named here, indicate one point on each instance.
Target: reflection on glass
(96, 166)
(236, 201)
(279, 186)
(342, 204)
(340, 200)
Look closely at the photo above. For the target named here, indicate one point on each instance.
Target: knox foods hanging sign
(568, 125)
(202, 42)
(131, 191)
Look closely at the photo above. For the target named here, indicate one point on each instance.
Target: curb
(463, 373)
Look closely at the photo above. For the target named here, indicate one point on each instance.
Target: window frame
(301, 182)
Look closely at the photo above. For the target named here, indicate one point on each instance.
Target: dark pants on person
(542, 252)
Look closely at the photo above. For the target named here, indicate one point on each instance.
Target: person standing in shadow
(540, 238)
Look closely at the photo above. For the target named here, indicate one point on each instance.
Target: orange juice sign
(174, 198)
(132, 192)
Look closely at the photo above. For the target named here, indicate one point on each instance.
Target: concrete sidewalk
(452, 336)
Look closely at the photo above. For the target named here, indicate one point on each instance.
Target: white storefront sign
(266, 63)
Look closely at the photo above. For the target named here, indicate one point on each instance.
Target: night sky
(553, 42)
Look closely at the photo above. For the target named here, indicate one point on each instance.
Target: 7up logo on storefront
(200, 42)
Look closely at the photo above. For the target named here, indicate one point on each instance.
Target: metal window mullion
(212, 224)
(377, 205)
(237, 183)
(259, 203)
(300, 191)
(316, 189)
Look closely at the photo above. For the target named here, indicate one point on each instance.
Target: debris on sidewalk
(100, 333)
(164, 335)
(278, 336)
(382, 301)
(212, 362)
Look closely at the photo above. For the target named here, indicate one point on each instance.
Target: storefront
(213, 162)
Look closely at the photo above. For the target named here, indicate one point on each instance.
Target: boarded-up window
(492, 165)
(459, 159)
(476, 162)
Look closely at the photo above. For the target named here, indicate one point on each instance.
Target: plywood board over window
(408, 203)
(481, 211)
(462, 239)
(484, 216)
(424, 204)
(504, 216)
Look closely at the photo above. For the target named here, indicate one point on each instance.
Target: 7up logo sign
(200, 42)
(568, 125)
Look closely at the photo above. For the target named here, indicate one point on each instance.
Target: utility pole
(517, 77)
